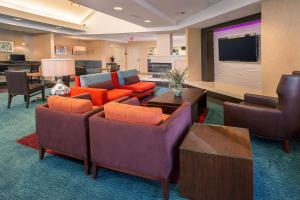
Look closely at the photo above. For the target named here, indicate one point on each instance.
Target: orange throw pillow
(69, 105)
(133, 114)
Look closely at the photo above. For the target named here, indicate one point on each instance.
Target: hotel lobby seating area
(150, 100)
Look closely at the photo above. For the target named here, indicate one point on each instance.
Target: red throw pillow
(132, 79)
(103, 85)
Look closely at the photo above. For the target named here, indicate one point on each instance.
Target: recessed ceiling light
(58, 27)
(118, 8)
(17, 19)
(75, 4)
(147, 21)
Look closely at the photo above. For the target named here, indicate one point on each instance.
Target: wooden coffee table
(216, 163)
(169, 102)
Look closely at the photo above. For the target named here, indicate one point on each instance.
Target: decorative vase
(177, 91)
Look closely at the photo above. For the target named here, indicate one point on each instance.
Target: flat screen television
(244, 49)
(17, 58)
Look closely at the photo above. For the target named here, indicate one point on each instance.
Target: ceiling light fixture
(58, 27)
(118, 8)
(147, 21)
(17, 19)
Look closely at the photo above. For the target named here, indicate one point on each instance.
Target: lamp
(58, 68)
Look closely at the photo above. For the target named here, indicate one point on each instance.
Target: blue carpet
(23, 176)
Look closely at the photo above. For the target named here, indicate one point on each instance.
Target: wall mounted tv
(244, 49)
(17, 58)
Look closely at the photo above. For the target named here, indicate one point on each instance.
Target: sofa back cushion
(132, 113)
(89, 79)
(69, 105)
(123, 74)
(115, 79)
(77, 81)
(103, 85)
(132, 79)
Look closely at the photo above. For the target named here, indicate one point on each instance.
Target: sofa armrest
(86, 96)
(132, 101)
(261, 100)
(135, 147)
(177, 126)
(263, 121)
(98, 96)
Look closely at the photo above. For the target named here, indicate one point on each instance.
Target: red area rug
(29, 141)
(32, 142)
(203, 115)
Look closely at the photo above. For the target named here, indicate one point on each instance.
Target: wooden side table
(216, 164)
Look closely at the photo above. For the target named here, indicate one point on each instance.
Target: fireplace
(159, 69)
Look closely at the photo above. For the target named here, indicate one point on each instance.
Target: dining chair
(18, 84)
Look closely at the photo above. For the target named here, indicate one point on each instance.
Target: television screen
(17, 58)
(239, 49)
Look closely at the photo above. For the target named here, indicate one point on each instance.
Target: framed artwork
(60, 50)
(6, 46)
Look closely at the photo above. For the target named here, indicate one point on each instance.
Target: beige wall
(42, 46)
(96, 49)
(164, 44)
(280, 41)
(144, 49)
(193, 53)
(39, 46)
(22, 43)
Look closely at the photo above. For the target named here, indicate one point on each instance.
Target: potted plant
(112, 59)
(176, 78)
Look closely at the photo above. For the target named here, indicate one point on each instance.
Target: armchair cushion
(261, 100)
(140, 86)
(69, 105)
(132, 113)
(118, 93)
(35, 87)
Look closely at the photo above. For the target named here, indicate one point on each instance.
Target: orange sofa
(102, 96)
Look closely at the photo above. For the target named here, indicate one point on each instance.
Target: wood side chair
(18, 84)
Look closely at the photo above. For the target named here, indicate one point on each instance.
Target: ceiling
(159, 12)
(56, 9)
(97, 19)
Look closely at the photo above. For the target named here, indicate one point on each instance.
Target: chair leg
(95, 170)
(286, 146)
(27, 100)
(86, 164)
(9, 100)
(41, 152)
(165, 187)
(43, 94)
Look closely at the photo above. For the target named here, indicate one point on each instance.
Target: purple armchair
(66, 133)
(149, 151)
